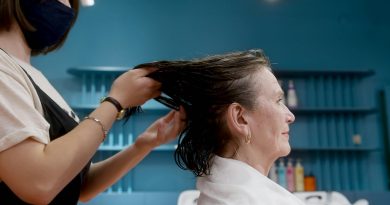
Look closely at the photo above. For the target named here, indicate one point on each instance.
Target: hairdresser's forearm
(51, 167)
(107, 172)
(77, 147)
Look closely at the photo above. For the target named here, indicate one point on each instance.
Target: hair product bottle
(282, 174)
(290, 176)
(292, 99)
(299, 176)
(283, 96)
(272, 173)
(310, 182)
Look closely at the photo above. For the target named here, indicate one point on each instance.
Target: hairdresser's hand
(133, 88)
(162, 131)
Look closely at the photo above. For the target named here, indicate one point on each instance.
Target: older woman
(237, 125)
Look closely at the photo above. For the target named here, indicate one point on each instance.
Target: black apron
(60, 124)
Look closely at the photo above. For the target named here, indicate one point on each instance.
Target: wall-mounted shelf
(357, 148)
(282, 73)
(302, 110)
(149, 106)
(333, 110)
(329, 114)
(167, 147)
(105, 70)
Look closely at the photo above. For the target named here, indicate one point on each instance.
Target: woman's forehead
(265, 80)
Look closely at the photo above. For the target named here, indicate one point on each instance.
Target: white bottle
(292, 99)
(299, 176)
(281, 86)
(272, 173)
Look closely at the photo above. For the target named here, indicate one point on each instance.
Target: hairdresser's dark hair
(205, 88)
(10, 11)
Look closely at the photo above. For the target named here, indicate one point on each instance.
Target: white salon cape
(232, 182)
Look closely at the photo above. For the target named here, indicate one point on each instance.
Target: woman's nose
(290, 117)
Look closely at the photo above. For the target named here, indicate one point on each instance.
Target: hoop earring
(248, 138)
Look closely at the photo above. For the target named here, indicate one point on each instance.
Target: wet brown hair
(10, 11)
(205, 88)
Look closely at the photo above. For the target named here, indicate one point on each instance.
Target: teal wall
(295, 34)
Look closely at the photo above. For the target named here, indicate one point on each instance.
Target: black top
(60, 124)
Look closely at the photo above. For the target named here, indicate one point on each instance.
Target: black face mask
(50, 18)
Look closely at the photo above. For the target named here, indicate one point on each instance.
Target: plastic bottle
(272, 174)
(290, 176)
(283, 97)
(310, 182)
(299, 176)
(282, 174)
(292, 99)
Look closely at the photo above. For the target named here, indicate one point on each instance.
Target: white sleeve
(19, 116)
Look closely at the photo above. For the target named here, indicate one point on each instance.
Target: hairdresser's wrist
(143, 144)
(121, 111)
(102, 118)
(142, 148)
(118, 97)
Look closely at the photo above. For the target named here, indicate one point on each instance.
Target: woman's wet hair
(205, 88)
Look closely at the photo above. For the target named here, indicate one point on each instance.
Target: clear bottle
(292, 99)
(290, 176)
(282, 174)
(299, 177)
(272, 173)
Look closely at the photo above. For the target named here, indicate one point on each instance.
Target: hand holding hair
(133, 88)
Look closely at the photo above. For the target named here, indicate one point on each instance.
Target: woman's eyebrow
(279, 93)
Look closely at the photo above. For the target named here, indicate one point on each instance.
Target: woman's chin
(285, 150)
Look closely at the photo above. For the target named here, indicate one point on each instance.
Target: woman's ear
(236, 120)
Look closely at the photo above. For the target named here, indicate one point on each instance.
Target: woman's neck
(246, 154)
(14, 43)
(254, 160)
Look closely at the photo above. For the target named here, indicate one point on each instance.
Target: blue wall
(295, 34)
